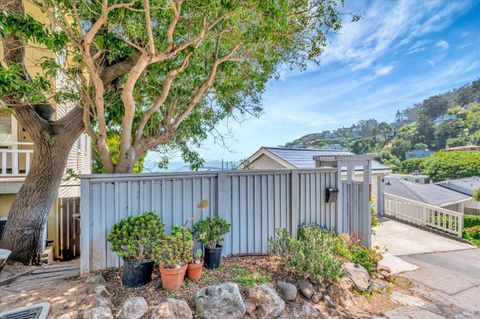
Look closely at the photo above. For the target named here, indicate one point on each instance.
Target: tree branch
(161, 98)
(199, 93)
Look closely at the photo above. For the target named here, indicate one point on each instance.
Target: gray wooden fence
(255, 203)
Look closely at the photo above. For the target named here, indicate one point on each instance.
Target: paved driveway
(447, 282)
(402, 239)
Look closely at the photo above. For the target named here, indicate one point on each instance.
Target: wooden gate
(68, 227)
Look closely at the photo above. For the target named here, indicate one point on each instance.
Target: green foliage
(172, 252)
(113, 143)
(450, 165)
(31, 30)
(12, 82)
(181, 231)
(134, 237)
(411, 165)
(476, 194)
(247, 278)
(471, 220)
(472, 234)
(318, 254)
(368, 258)
(311, 255)
(210, 231)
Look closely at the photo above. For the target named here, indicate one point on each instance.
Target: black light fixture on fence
(331, 195)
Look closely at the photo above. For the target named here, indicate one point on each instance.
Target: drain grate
(38, 311)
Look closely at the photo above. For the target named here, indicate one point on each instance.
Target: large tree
(152, 73)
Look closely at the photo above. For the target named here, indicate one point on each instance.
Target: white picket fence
(422, 214)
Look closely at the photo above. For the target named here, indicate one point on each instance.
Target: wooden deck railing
(15, 159)
(423, 214)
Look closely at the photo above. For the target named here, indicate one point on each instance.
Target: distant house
(442, 119)
(431, 194)
(463, 148)
(417, 154)
(464, 186)
(302, 158)
(413, 178)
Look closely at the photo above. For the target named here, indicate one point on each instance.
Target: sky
(399, 53)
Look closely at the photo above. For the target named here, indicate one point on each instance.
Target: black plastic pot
(137, 273)
(213, 256)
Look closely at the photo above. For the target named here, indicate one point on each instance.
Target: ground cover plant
(318, 254)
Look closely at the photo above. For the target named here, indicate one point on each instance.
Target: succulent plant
(210, 231)
(172, 252)
(133, 237)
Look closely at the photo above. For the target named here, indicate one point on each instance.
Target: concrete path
(446, 285)
(403, 239)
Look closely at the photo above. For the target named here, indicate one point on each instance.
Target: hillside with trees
(452, 119)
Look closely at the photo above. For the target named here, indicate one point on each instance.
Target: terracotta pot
(172, 279)
(194, 271)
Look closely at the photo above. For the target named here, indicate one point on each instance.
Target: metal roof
(303, 157)
(426, 193)
(463, 185)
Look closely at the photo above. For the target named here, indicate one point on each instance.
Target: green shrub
(471, 220)
(311, 255)
(172, 252)
(133, 237)
(318, 254)
(210, 231)
(472, 234)
(476, 194)
(368, 258)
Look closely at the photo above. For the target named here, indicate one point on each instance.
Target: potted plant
(195, 266)
(210, 233)
(132, 239)
(172, 255)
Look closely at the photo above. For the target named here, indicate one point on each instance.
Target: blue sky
(399, 53)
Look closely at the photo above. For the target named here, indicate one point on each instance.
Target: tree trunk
(25, 231)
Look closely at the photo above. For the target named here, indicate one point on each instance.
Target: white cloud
(442, 44)
(384, 70)
(389, 24)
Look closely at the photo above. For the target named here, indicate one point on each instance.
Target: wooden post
(85, 226)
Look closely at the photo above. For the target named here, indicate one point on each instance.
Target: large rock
(306, 288)
(94, 301)
(99, 290)
(220, 301)
(172, 309)
(358, 274)
(340, 293)
(377, 285)
(133, 308)
(264, 302)
(97, 279)
(307, 310)
(287, 291)
(98, 313)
